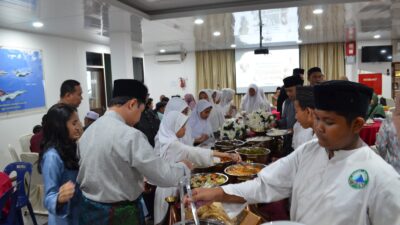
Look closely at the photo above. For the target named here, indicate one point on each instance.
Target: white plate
(258, 139)
(216, 160)
(282, 223)
(276, 132)
(369, 121)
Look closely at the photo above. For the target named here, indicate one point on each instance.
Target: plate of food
(208, 180)
(277, 132)
(244, 169)
(226, 145)
(222, 160)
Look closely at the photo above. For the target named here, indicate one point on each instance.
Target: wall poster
(21, 80)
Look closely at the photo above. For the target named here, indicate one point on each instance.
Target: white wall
(163, 79)
(352, 70)
(62, 59)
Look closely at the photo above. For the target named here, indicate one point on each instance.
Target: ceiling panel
(89, 20)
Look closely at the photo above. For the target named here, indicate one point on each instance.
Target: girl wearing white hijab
(226, 102)
(199, 122)
(171, 149)
(217, 116)
(180, 105)
(253, 101)
(206, 94)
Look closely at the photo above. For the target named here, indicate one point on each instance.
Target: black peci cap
(305, 96)
(342, 96)
(130, 88)
(292, 81)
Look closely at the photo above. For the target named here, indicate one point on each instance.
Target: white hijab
(217, 115)
(198, 125)
(175, 104)
(226, 99)
(261, 91)
(172, 122)
(218, 95)
(178, 104)
(253, 103)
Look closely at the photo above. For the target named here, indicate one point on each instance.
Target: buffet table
(257, 151)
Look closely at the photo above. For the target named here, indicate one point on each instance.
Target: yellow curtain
(215, 69)
(330, 57)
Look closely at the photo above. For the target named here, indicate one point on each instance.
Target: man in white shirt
(335, 179)
(115, 158)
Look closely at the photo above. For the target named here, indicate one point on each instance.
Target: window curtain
(215, 69)
(330, 57)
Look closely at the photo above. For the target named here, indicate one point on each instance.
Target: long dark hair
(56, 135)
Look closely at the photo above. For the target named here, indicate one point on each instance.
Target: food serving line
(256, 152)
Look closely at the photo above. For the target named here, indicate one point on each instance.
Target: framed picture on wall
(21, 80)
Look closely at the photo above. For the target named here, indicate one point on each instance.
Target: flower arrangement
(232, 129)
(260, 120)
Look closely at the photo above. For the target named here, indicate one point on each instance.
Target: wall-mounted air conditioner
(171, 57)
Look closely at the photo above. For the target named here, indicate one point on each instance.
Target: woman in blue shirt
(59, 164)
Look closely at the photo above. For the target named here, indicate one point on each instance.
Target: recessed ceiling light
(37, 24)
(318, 11)
(233, 46)
(217, 33)
(299, 41)
(377, 36)
(162, 51)
(199, 21)
(308, 27)
(383, 51)
(389, 57)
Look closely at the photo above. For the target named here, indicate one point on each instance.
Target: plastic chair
(13, 153)
(36, 195)
(25, 142)
(12, 195)
(21, 168)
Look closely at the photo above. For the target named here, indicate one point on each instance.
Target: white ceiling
(89, 20)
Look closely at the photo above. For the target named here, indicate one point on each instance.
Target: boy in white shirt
(335, 179)
(304, 106)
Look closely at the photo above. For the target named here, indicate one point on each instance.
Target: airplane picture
(2, 72)
(11, 96)
(19, 73)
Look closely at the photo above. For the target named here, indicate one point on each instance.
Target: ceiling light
(233, 46)
(299, 41)
(199, 21)
(37, 24)
(389, 57)
(383, 51)
(217, 33)
(162, 51)
(377, 36)
(308, 27)
(318, 11)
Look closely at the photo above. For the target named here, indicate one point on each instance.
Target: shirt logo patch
(359, 179)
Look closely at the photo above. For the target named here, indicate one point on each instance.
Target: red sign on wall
(372, 80)
(351, 49)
